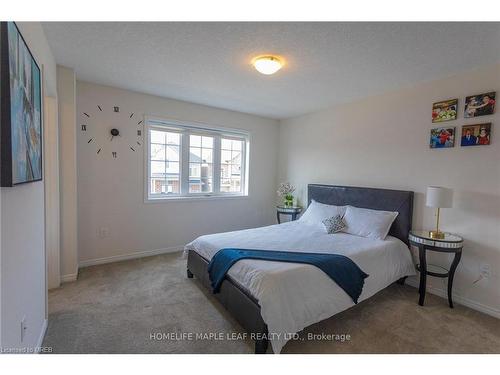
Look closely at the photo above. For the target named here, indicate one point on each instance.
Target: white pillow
(317, 212)
(368, 223)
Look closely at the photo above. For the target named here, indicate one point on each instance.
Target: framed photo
(442, 137)
(479, 105)
(476, 135)
(20, 109)
(445, 110)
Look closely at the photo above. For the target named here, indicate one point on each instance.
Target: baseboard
(118, 258)
(458, 299)
(69, 277)
(39, 342)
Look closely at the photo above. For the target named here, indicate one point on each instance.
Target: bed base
(402, 280)
(241, 305)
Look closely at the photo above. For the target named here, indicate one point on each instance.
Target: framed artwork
(479, 105)
(445, 110)
(476, 135)
(20, 109)
(442, 137)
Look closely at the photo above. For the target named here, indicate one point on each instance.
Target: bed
(274, 300)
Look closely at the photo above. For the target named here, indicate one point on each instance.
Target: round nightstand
(449, 244)
(292, 211)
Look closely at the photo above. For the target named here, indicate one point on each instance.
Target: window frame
(185, 129)
(148, 161)
(214, 159)
(244, 162)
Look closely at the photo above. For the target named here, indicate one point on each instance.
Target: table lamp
(438, 197)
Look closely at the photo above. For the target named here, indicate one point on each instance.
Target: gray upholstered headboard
(376, 199)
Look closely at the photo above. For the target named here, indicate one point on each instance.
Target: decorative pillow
(317, 212)
(334, 224)
(368, 223)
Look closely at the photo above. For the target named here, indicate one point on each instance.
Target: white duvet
(293, 296)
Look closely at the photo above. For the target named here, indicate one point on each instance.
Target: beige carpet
(114, 308)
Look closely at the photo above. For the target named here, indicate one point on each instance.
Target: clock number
(90, 140)
(86, 114)
(139, 123)
(116, 109)
(84, 128)
(139, 133)
(132, 148)
(114, 154)
(98, 151)
(131, 115)
(100, 109)
(139, 143)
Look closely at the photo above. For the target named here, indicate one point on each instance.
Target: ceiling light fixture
(267, 64)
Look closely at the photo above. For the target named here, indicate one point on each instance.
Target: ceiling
(326, 63)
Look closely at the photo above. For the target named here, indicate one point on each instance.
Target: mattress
(293, 296)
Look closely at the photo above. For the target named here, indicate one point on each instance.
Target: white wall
(383, 141)
(66, 88)
(22, 272)
(110, 191)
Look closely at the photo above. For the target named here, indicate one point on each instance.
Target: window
(201, 150)
(230, 165)
(165, 162)
(191, 161)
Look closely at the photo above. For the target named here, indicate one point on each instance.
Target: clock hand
(114, 132)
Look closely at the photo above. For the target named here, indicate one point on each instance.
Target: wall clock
(94, 123)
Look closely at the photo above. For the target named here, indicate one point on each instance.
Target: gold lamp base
(438, 235)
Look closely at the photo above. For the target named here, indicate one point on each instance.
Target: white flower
(285, 188)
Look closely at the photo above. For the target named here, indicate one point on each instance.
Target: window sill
(200, 198)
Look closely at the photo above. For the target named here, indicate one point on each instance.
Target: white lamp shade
(439, 197)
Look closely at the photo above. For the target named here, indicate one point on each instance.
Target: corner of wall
(66, 87)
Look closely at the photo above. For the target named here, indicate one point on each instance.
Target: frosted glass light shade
(439, 197)
(267, 64)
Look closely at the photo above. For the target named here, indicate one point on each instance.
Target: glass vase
(288, 200)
